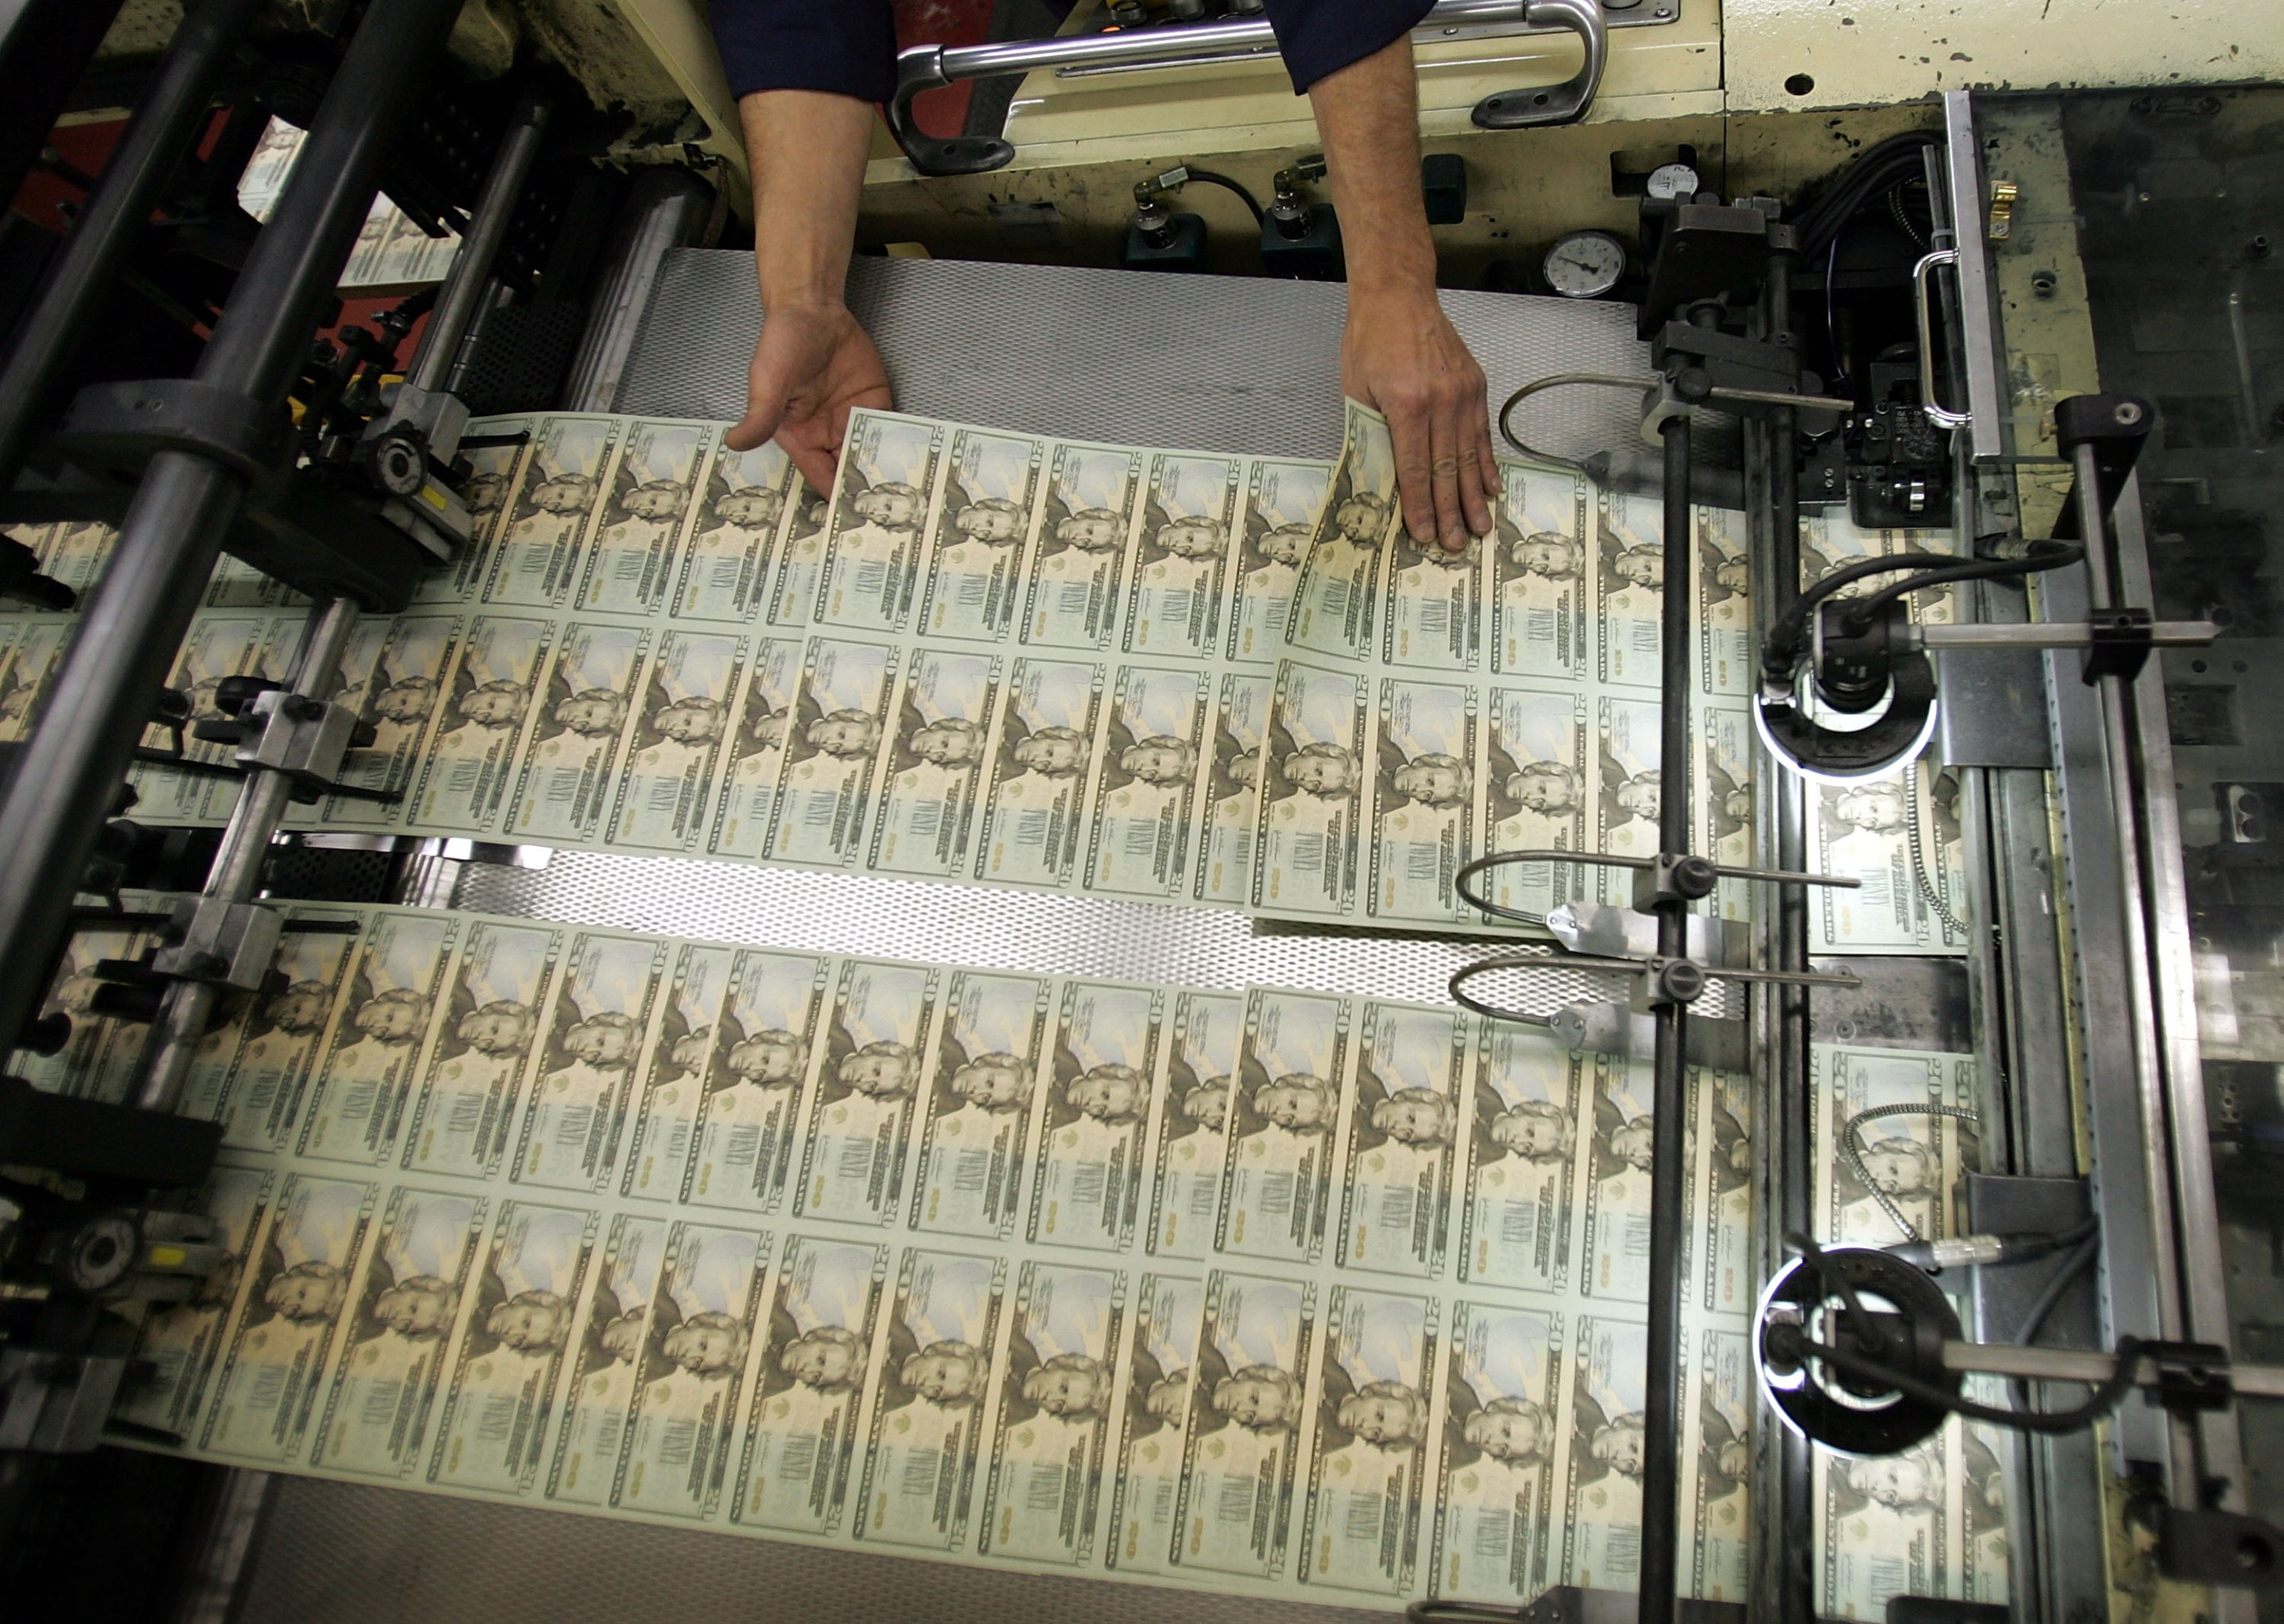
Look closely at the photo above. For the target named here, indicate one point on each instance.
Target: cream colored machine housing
(1770, 93)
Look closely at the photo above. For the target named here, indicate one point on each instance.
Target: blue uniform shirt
(850, 46)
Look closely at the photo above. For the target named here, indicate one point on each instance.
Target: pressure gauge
(1585, 264)
(1673, 180)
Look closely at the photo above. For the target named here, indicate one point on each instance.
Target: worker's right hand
(813, 365)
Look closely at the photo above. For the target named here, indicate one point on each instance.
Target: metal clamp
(1938, 414)
(933, 67)
(303, 737)
(220, 943)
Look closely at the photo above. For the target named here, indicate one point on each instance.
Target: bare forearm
(1368, 114)
(808, 150)
(1401, 355)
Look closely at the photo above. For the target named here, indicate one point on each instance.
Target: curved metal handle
(932, 67)
(1941, 416)
(1558, 104)
(922, 68)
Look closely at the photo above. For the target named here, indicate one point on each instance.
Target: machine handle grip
(932, 67)
(1938, 414)
(1558, 104)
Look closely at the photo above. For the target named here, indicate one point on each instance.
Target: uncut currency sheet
(1005, 660)
(1267, 1292)
(1932, 1520)
(1432, 707)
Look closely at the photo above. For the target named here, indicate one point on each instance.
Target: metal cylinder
(471, 266)
(117, 210)
(67, 774)
(666, 207)
(173, 1041)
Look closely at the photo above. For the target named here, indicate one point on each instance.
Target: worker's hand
(813, 364)
(1402, 357)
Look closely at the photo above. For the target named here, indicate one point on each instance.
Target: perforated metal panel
(423, 1560)
(842, 913)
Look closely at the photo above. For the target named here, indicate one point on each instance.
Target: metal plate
(1212, 364)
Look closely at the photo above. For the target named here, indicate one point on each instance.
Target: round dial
(1585, 264)
(1673, 180)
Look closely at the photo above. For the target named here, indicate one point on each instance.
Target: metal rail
(117, 211)
(1661, 1528)
(471, 267)
(172, 1043)
(933, 67)
(67, 776)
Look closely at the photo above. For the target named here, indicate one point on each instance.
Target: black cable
(2088, 1246)
(1211, 179)
(1790, 630)
(1787, 634)
(2127, 1356)
(1875, 171)
(1862, 612)
(2071, 1268)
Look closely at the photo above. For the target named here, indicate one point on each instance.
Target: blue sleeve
(1322, 36)
(847, 46)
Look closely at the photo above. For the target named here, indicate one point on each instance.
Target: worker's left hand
(813, 366)
(1402, 357)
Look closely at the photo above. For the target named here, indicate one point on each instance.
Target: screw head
(2128, 413)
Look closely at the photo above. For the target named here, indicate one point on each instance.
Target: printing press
(1886, 540)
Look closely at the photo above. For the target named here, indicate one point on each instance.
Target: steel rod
(236, 874)
(67, 775)
(1200, 41)
(117, 210)
(2055, 635)
(1661, 1381)
(471, 266)
(1787, 1528)
(2261, 1381)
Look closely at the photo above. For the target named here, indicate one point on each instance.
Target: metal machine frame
(2122, 945)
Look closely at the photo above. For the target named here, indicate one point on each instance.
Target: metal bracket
(2190, 1376)
(2116, 427)
(2219, 1547)
(1673, 877)
(1602, 931)
(2121, 641)
(226, 944)
(278, 731)
(113, 430)
(1620, 1030)
(305, 738)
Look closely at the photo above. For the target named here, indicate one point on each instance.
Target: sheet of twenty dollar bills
(999, 659)
(1264, 1291)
